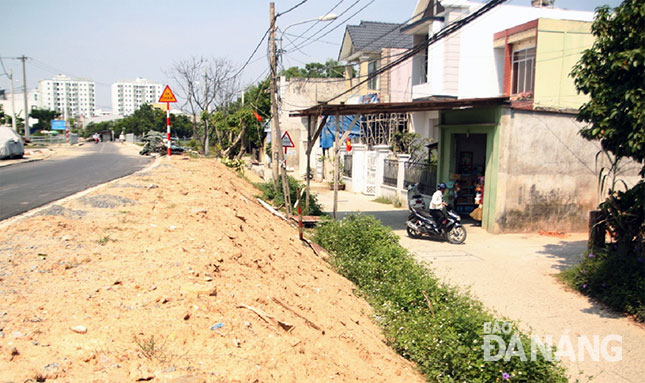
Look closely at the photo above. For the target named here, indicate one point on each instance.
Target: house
(497, 99)
(369, 46)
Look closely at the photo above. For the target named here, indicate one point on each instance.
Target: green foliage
(330, 69)
(424, 320)
(44, 116)
(615, 276)
(612, 73)
(410, 143)
(270, 193)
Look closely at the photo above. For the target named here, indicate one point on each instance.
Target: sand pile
(179, 275)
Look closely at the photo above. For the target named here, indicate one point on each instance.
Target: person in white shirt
(437, 205)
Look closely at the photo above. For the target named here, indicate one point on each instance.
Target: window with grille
(523, 71)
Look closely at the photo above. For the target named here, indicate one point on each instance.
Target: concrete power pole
(206, 141)
(13, 103)
(24, 82)
(275, 139)
(279, 165)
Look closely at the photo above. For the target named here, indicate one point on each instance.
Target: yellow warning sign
(167, 95)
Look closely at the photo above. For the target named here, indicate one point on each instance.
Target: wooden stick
(267, 317)
(307, 321)
(428, 302)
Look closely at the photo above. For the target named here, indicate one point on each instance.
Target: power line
(450, 29)
(253, 53)
(318, 21)
(327, 25)
(290, 9)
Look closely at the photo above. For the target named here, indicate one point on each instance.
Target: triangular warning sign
(167, 95)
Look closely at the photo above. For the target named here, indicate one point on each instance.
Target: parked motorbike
(420, 222)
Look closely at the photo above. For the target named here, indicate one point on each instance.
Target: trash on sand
(217, 325)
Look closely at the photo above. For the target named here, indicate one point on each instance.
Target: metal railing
(347, 165)
(424, 175)
(390, 172)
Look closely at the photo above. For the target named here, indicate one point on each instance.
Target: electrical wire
(253, 53)
(290, 9)
(318, 21)
(446, 31)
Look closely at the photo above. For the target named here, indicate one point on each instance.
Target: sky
(114, 40)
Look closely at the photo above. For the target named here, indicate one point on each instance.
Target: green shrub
(613, 275)
(269, 193)
(442, 333)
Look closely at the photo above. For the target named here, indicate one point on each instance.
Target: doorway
(468, 168)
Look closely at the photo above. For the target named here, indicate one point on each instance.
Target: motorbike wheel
(457, 235)
(412, 233)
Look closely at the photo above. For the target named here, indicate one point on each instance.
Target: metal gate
(370, 181)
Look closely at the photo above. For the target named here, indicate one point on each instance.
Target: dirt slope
(125, 284)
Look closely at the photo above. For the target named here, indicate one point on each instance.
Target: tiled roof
(371, 36)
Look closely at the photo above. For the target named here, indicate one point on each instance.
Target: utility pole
(279, 165)
(206, 143)
(275, 139)
(13, 103)
(24, 82)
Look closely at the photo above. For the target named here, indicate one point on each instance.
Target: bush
(276, 197)
(613, 275)
(424, 320)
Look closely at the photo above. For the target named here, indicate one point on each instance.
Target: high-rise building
(62, 93)
(128, 96)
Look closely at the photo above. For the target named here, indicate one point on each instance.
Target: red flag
(257, 116)
(348, 145)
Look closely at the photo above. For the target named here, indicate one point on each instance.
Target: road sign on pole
(287, 142)
(167, 96)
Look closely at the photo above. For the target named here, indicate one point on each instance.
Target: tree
(612, 73)
(44, 116)
(207, 85)
(330, 69)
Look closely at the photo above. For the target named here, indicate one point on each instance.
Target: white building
(18, 98)
(62, 93)
(128, 96)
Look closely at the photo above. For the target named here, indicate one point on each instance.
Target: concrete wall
(560, 44)
(297, 94)
(547, 173)
(396, 84)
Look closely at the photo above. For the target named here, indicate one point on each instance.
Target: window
(372, 67)
(523, 71)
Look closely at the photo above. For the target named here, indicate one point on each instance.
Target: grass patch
(430, 323)
(269, 193)
(151, 348)
(614, 275)
(384, 200)
(104, 241)
(394, 201)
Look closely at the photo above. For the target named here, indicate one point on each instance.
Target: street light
(327, 17)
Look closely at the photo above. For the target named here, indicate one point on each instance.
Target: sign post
(287, 142)
(167, 96)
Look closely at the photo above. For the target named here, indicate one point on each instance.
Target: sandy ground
(176, 274)
(514, 275)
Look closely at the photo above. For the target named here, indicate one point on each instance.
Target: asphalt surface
(29, 185)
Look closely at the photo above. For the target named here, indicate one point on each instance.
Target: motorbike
(421, 223)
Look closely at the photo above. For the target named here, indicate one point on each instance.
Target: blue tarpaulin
(328, 134)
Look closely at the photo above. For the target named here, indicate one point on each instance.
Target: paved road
(29, 185)
(514, 275)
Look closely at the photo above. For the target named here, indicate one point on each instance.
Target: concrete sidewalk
(514, 275)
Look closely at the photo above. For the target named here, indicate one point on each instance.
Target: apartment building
(128, 96)
(76, 97)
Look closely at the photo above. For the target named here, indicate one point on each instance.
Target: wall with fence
(380, 172)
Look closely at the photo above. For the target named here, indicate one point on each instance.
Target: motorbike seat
(424, 214)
